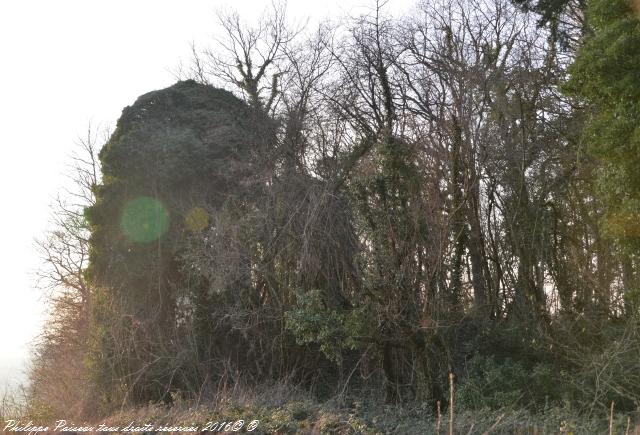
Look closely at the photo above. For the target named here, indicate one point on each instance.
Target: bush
(334, 331)
(490, 383)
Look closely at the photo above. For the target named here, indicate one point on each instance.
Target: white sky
(65, 64)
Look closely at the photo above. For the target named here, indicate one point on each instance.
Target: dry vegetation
(285, 409)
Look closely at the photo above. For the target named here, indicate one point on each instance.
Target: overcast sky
(66, 64)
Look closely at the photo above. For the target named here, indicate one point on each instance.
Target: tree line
(368, 207)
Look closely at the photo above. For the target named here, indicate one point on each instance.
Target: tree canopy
(605, 74)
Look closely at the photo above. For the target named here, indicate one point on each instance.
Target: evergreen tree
(606, 74)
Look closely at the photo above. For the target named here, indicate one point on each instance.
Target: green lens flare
(144, 219)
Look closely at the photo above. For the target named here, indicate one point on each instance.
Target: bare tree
(249, 58)
(58, 377)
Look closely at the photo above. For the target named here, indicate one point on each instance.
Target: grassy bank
(281, 409)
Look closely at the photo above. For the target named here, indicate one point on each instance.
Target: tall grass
(12, 402)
